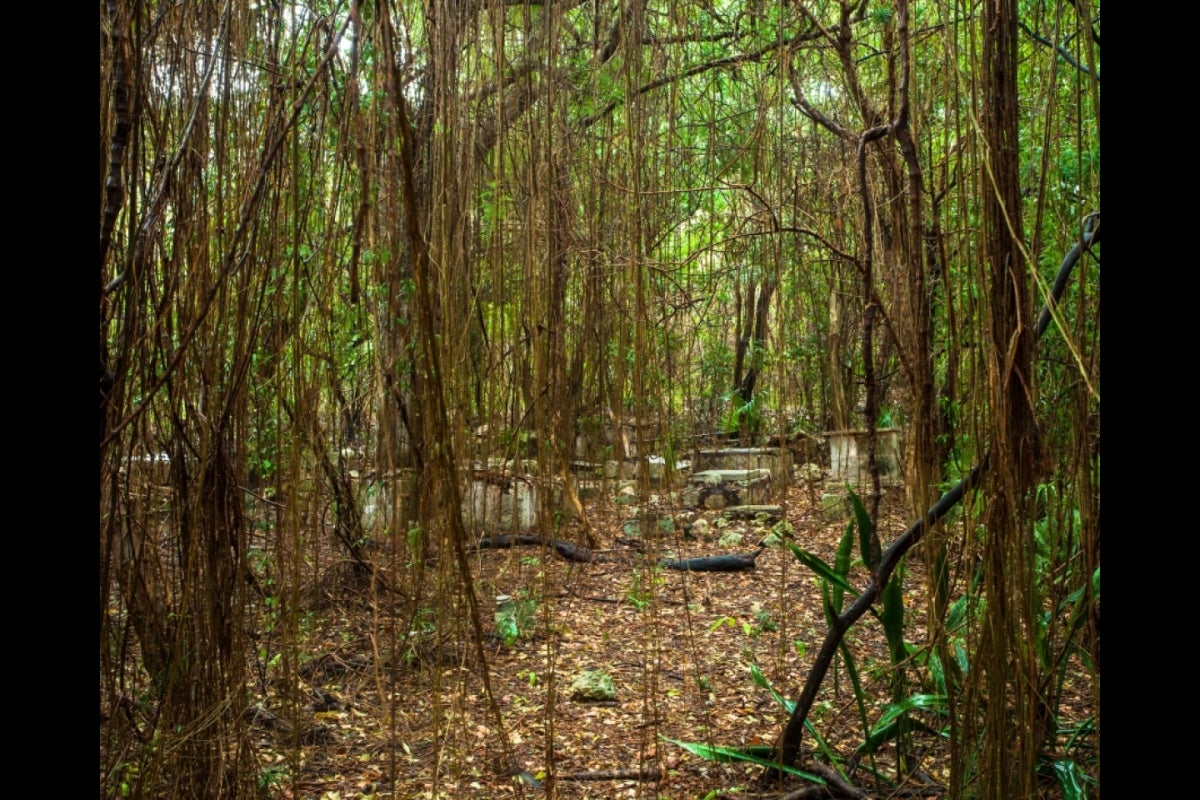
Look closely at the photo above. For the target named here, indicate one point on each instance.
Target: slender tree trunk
(754, 341)
(841, 387)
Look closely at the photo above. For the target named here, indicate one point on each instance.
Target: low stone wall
(778, 461)
(719, 488)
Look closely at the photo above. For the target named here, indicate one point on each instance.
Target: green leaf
(957, 614)
(763, 683)
(868, 544)
(1084, 728)
(821, 568)
(841, 564)
(1070, 780)
(860, 697)
(827, 604)
(941, 573)
(886, 726)
(829, 754)
(727, 754)
(893, 618)
(937, 672)
(764, 751)
(721, 621)
(508, 630)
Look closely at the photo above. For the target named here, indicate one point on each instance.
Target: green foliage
(1072, 780)
(834, 583)
(893, 618)
(823, 570)
(763, 621)
(895, 718)
(742, 415)
(761, 681)
(414, 537)
(754, 755)
(841, 567)
(762, 624)
(122, 779)
(506, 625)
(788, 706)
(868, 542)
(733, 182)
(516, 617)
(593, 684)
(860, 696)
(641, 586)
(271, 777)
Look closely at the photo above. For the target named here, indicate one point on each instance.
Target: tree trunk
(841, 386)
(1006, 676)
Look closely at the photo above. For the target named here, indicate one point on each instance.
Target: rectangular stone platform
(777, 460)
(719, 488)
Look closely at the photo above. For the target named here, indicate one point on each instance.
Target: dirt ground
(678, 645)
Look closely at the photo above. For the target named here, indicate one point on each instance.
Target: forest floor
(678, 645)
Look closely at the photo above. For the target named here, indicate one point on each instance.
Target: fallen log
(581, 555)
(727, 563)
(568, 550)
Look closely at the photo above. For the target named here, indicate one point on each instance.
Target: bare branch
(753, 56)
(1062, 51)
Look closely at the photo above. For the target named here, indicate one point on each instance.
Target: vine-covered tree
(359, 258)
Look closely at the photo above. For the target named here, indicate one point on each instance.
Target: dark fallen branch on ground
(568, 550)
(788, 747)
(581, 555)
(836, 783)
(727, 563)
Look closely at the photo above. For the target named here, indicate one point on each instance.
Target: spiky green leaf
(822, 569)
(841, 564)
(868, 545)
(763, 683)
(1070, 780)
(726, 754)
(886, 726)
(893, 617)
